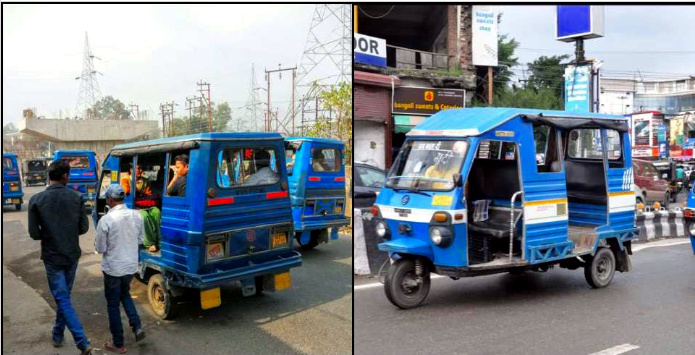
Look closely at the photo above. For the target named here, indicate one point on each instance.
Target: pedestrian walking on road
(119, 233)
(57, 218)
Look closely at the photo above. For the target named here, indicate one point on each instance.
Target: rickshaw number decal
(443, 158)
(250, 236)
(504, 133)
(279, 239)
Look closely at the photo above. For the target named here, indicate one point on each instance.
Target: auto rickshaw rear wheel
(161, 300)
(600, 269)
(403, 287)
(313, 239)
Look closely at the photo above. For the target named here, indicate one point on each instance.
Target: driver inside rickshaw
(443, 169)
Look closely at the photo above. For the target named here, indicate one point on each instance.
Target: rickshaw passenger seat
(497, 224)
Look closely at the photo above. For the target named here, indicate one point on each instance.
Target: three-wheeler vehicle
(83, 173)
(316, 174)
(231, 224)
(490, 190)
(11, 184)
(689, 216)
(34, 171)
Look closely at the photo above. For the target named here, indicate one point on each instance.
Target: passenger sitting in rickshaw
(266, 169)
(146, 203)
(446, 164)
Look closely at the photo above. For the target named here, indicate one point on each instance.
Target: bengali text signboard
(426, 101)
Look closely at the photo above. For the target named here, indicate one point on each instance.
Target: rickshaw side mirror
(458, 181)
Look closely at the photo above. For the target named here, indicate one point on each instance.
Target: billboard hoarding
(484, 33)
(578, 21)
(577, 88)
(369, 50)
(426, 101)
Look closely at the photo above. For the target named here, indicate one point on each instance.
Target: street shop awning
(404, 123)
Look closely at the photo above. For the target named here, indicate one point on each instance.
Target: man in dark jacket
(57, 217)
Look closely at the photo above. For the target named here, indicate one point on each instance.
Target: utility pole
(279, 70)
(206, 89)
(167, 111)
(489, 86)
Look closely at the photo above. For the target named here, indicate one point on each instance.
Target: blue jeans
(117, 291)
(60, 280)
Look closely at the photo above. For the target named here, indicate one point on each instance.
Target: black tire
(161, 300)
(18, 207)
(600, 269)
(313, 241)
(403, 296)
(667, 199)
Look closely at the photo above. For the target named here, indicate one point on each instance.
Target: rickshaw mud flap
(189, 280)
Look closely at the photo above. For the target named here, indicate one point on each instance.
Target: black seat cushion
(585, 181)
(496, 226)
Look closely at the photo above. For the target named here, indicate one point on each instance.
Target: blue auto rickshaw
(11, 183)
(689, 216)
(490, 190)
(232, 224)
(83, 173)
(316, 174)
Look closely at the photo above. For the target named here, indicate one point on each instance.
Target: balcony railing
(406, 58)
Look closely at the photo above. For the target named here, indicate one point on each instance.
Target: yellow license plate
(279, 239)
(91, 191)
(14, 188)
(282, 281)
(15, 200)
(210, 298)
(338, 209)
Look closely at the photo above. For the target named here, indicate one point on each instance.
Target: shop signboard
(408, 100)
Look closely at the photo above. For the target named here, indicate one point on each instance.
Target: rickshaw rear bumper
(320, 224)
(219, 278)
(8, 197)
(409, 246)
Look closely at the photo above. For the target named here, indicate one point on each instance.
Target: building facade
(624, 96)
(427, 68)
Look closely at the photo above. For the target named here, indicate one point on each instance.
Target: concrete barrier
(360, 261)
(368, 257)
(660, 224)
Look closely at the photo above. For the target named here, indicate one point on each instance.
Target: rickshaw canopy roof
(315, 139)
(74, 151)
(188, 142)
(476, 121)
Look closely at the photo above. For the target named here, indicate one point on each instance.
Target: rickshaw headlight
(441, 236)
(691, 229)
(381, 229)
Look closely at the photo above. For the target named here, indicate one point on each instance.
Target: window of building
(680, 86)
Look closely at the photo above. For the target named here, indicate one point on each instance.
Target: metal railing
(406, 58)
(512, 224)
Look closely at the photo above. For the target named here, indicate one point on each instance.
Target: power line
(608, 51)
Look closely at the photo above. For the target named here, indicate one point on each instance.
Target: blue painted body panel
(81, 180)
(544, 242)
(10, 177)
(325, 193)
(187, 222)
(690, 204)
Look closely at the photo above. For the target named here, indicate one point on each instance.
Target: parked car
(667, 171)
(367, 181)
(653, 186)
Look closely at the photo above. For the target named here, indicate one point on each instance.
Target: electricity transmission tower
(89, 87)
(254, 101)
(326, 61)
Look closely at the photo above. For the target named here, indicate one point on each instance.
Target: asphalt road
(314, 316)
(652, 307)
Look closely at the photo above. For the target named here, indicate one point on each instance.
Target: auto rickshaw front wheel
(403, 287)
(600, 269)
(161, 300)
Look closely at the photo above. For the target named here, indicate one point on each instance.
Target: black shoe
(58, 344)
(87, 350)
(139, 335)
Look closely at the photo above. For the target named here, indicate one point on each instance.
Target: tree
(337, 101)
(547, 72)
(9, 128)
(543, 98)
(109, 108)
(221, 116)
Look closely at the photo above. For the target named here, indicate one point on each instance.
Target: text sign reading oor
(426, 101)
(578, 21)
(369, 50)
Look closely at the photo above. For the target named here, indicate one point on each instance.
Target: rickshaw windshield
(7, 164)
(427, 165)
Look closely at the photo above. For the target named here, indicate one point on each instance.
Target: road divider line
(636, 248)
(620, 349)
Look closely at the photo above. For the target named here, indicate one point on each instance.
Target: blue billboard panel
(369, 50)
(577, 88)
(578, 21)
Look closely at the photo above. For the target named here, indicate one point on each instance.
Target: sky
(150, 54)
(632, 34)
